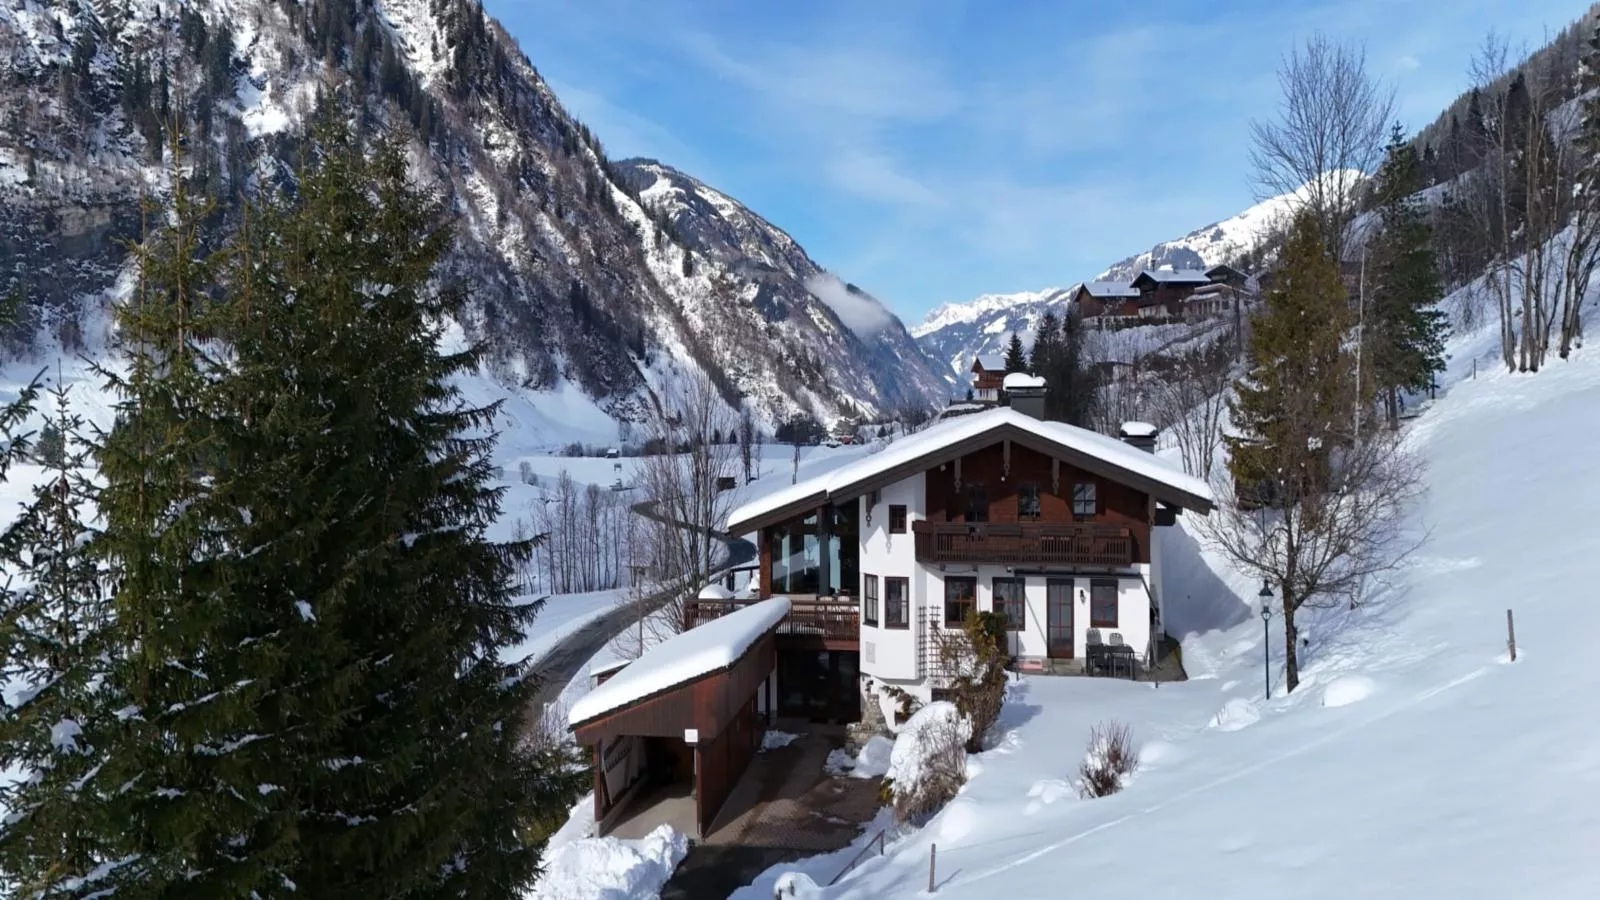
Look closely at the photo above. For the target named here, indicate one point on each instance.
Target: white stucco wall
(891, 653)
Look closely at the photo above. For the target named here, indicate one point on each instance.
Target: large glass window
(896, 603)
(1008, 602)
(844, 548)
(796, 557)
(1103, 603)
(960, 599)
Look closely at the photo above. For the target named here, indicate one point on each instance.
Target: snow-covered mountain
(955, 332)
(806, 317)
(583, 300)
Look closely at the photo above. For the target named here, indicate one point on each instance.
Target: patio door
(1058, 617)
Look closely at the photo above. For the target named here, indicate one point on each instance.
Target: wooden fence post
(1511, 636)
(933, 852)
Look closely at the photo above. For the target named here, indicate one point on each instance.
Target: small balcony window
(1084, 505)
(1027, 501)
(897, 518)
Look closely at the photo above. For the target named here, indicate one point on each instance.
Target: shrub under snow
(928, 764)
(1110, 762)
(606, 868)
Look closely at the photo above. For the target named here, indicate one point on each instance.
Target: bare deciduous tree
(587, 528)
(1329, 132)
(686, 498)
(1327, 545)
(1190, 403)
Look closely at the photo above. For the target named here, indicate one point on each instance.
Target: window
(1008, 602)
(869, 600)
(1083, 499)
(1027, 501)
(1103, 603)
(897, 518)
(896, 603)
(960, 598)
(977, 503)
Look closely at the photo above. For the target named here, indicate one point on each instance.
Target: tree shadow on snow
(1197, 601)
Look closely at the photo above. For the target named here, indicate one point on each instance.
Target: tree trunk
(1291, 640)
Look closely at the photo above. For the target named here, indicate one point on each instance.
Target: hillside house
(1057, 527)
(1162, 291)
(988, 372)
(1106, 299)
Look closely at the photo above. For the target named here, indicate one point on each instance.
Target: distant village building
(1099, 299)
(988, 373)
(1164, 294)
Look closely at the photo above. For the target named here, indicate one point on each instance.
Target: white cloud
(874, 176)
(1408, 62)
(859, 312)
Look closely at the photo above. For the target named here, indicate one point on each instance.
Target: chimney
(1139, 434)
(1026, 393)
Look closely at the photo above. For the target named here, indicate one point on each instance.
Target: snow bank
(1348, 689)
(610, 868)
(908, 760)
(684, 657)
(871, 762)
(772, 740)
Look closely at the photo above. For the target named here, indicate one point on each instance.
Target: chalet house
(988, 372)
(1228, 275)
(863, 569)
(1055, 526)
(1111, 299)
(1162, 291)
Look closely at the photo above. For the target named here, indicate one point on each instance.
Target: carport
(690, 712)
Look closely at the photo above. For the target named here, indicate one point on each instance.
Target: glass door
(1058, 612)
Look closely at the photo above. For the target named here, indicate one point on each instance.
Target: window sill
(1094, 624)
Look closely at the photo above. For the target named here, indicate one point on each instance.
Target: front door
(1058, 617)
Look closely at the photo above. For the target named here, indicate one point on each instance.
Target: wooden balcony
(1011, 544)
(829, 623)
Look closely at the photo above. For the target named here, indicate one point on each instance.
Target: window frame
(971, 602)
(899, 518)
(869, 600)
(903, 605)
(1093, 500)
(1020, 621)
(1027, 489)
(975, 512)
(1116, 597)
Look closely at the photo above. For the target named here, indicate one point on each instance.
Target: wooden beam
(958, 474)
(1005, 459)
(1055, 476)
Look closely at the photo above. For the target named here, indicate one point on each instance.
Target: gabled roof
(682, 658)
(956, 437)
(1107, 289)
(1223, 270)
(1171, 276)
(989, 362)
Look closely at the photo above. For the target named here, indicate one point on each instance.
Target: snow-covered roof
(1174, 276)
(1022, 380)
(1109, 289)
(843, 483)
(700, 651)
(612, 666)
(992, 362)
(1139, 429)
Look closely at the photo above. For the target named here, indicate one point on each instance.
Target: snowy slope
(1414, 761)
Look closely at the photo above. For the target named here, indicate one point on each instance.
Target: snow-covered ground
(1414, 760)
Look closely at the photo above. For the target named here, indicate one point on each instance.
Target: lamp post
(1266, 646)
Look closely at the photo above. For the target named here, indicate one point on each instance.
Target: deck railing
(823, 617)
(1011, 543)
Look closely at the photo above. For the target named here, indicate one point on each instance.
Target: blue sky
(935, 150)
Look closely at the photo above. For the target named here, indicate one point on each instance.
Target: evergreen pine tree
(1406, 330)
(1016, 360)
(1296, 399)
(1046, 343)
(369, 491)
(54, 657)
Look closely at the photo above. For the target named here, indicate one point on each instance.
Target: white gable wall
(891, 653)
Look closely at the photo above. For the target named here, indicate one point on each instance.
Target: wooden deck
(834, 624)
(1007, 543)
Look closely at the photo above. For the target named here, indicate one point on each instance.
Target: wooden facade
(1092, 306)
(719, 705)
(1000, 472)
(1004, 543)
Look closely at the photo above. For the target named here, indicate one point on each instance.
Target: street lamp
(1266, 646)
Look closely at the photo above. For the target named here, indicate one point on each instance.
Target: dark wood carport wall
(719, 705)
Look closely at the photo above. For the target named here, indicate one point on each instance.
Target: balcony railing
(834, 620)
(1010, 543)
